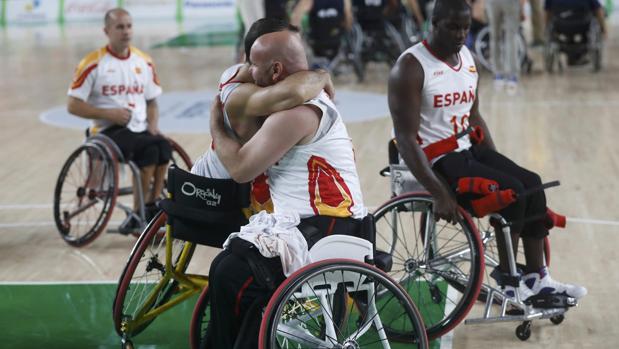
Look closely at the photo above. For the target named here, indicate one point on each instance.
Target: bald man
(308, 157)
(116, 87)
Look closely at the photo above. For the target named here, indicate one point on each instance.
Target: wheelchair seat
(571, 20)
(204, 210)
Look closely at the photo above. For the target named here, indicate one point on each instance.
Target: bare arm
(404, 95)
(599, 14)
(348, 17)
(152, 116)
(280, 132)
(250, 100)
(119, 116)
(413, 6)
(302, 8)
(477, 120)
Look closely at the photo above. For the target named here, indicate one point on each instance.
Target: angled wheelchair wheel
(394, 45)
(180, 158)
(85, 194)
(200, 321)
(438, 264)
(481, 47)
(147, 282)
(302, 313)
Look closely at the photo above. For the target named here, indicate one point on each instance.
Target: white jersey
(209, 165)
(447, 96)
(320, 177)
(107, 81)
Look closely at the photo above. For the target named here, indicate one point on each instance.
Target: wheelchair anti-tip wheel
(146, 283)
(438, 264)
(302, 312)
(85, 194)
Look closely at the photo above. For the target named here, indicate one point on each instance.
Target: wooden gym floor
(562, 126)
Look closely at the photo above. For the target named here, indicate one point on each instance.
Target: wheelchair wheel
(481, 47)
(200, 320)
(146, 283)
(353, 45)
(85, 194)
(491, 256)
(438, 264)
(301, 312)
(180, 158)
(394, 45)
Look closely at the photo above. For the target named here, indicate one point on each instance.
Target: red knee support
(493, 202)
(477, 185)
(554, 219)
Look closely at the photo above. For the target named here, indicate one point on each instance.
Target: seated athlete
(250, 103)
(432, 96)
(328, 21)
(308, 157)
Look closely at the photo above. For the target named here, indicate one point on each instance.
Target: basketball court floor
(562, 126)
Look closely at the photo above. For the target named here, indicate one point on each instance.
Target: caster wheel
(523, 332)
(126, 344)
(557, 319)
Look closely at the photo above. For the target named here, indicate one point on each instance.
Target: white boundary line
(24, 206)
(37, 224)
(576, 220)
(591, 221)
(448, 338)
(93, 282)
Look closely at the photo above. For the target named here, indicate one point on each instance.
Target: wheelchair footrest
(551, 301)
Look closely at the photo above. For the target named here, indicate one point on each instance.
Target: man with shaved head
(308, 158)
(116, 86)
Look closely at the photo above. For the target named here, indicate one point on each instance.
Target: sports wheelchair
(380, 41)
(89, 184)
(446, 268)
(480, 44)
(573, 31)
(338, 55)
(343, 302)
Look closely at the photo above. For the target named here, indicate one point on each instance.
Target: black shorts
(480, 161)
(142, 148)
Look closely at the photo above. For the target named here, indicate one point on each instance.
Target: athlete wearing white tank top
(433, 96)
(449, 95)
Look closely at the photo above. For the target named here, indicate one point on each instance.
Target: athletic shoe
(523, 291)
(511, 86)
(542, 283)
(130, 226)
(499, 82)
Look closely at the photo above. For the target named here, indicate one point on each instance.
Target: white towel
(276, 234)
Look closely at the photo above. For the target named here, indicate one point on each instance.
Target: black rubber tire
(413, 211)
(73, 185)
(279, 308)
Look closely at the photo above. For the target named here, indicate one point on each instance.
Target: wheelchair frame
(108, 153)
(510, 310)
(552, 48)
(171, 285)
(481, 47)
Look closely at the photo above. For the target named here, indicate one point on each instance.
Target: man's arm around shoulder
(279, 133)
